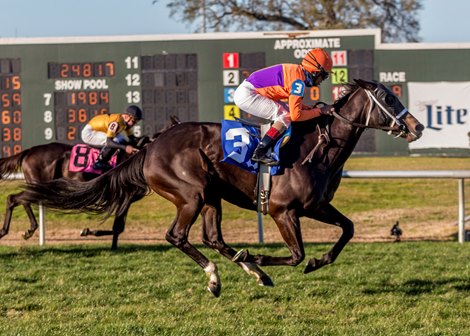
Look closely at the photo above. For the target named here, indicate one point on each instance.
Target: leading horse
(184, 165)
(51, 161)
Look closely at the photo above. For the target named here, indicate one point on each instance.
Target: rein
(372, 99)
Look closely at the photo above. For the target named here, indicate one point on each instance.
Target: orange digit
(72, 115)
(104, 97)
(73, 98)
(396, 89)
(6, 100)
(6, 83)
(315, 93)
(6, 117)
(17, 117)
(16, 97)
(93, 97)
(17, 149)
(64, 70)
(6, 151)
(17, 134)
(71, 133)
(6, 134)
(87, 70)
(104, 110)
(98, 70)
(16, 82)
(110, 69)
(82, 99)
(75, 70)
(82, 115)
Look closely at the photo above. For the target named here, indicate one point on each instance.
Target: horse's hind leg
(178, 236)
(212, 237)
(118, 228)
(12, 202)
(330, 215)
(32, 219)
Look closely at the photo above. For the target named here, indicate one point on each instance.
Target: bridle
(395, 126)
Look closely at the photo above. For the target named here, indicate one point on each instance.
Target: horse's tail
(11, 164)
(109, 193)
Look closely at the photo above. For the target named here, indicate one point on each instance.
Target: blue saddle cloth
(239, 142)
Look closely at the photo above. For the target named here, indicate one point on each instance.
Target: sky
(441, 21)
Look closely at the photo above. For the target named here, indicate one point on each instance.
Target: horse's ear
(365, 84)
(175, 120)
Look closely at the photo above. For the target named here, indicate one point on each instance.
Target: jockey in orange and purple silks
(261, 94)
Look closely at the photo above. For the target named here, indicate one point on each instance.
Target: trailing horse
(43, 163)
(184, 166)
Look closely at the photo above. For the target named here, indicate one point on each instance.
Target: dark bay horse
(184, 166)
(51, 161)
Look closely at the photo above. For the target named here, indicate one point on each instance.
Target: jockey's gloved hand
(327, 109)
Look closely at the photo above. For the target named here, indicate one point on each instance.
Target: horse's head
(391, 114)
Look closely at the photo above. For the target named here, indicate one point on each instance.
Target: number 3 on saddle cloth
(239, 142)
(82, 158)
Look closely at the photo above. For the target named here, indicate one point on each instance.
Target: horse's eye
(389, 99)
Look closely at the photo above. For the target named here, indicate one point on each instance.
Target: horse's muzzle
(415, 128)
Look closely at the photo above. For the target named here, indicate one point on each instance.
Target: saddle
(83, 156)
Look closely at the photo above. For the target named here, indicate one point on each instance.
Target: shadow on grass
(414, 287)
(82, 250)
(91, 250)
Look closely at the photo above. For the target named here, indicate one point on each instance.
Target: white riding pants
(250, 101)
(95, 138)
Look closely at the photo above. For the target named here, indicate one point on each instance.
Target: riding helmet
(317, 59)
(134, 111)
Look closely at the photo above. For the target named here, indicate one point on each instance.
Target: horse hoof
(85, 232)
(240, 256)
(265, 281)
(312, 265)
(215, 289)
(27, 235)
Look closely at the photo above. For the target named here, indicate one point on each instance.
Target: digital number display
(10, 107)
(74, 109)
(80, 70)
(236, 68)
(80, 93)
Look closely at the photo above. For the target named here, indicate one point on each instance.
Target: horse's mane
(348, 90)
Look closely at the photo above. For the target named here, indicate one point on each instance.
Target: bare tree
(398, 19)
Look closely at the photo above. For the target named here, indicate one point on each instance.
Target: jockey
(261, 92)
(111, 132)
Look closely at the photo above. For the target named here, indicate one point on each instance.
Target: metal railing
(459, 175)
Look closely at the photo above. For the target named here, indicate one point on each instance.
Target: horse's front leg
(330, 215)
(212, 237)
(288, 224)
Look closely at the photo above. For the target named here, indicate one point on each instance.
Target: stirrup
(269, 161)
(103, 166)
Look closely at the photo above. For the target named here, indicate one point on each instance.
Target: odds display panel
(11, 109)
(50, 88)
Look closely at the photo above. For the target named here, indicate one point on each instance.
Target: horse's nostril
(419, 128)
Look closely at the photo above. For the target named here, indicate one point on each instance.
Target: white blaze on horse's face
(408, 126)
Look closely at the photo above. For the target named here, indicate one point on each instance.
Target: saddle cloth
(82, 158)
(239, 142)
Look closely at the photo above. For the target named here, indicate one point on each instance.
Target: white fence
(459, 175)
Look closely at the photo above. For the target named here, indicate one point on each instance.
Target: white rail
(460, 175)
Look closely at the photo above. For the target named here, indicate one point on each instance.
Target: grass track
(414, 288)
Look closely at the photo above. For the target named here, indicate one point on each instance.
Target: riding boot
(261, 152)
(102, 162)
